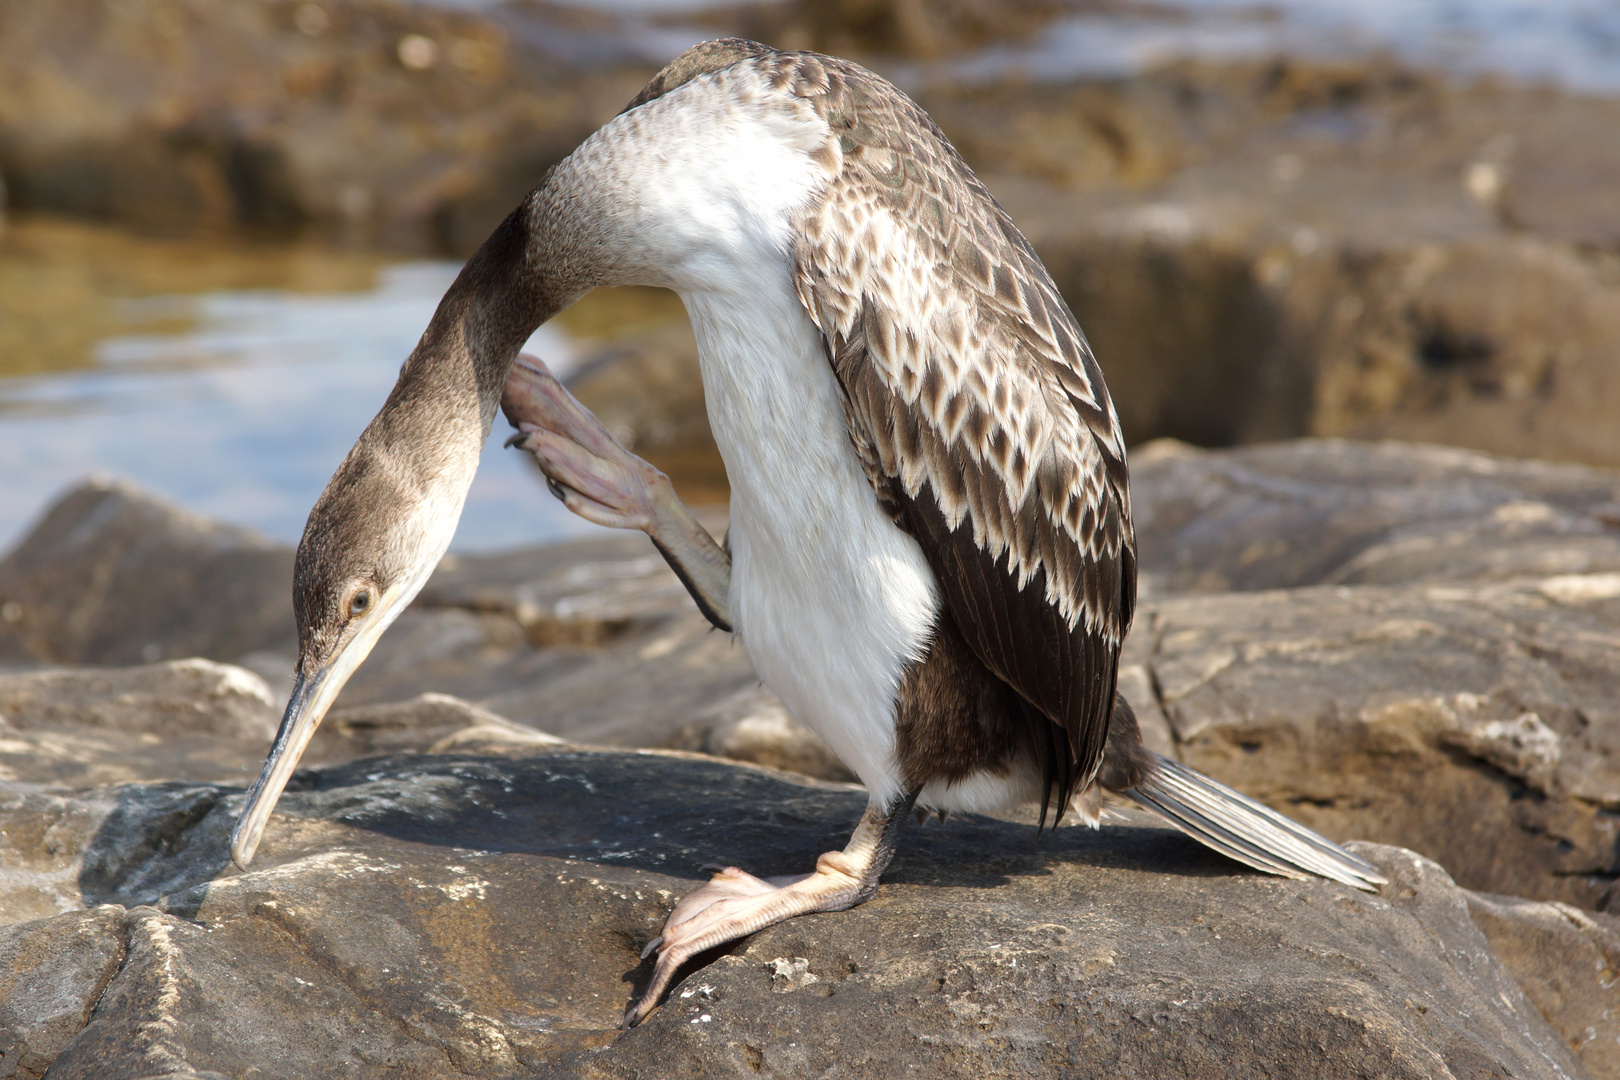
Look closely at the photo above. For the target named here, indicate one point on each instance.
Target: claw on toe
(585, 466)
(732, 905)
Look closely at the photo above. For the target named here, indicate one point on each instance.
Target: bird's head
(612, 213)
(371, 542)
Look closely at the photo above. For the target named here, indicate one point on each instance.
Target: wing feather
(973, 402)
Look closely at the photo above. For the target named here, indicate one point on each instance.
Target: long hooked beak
(312, 696)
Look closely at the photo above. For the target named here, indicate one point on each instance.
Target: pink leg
(735, 904)
(601, 481)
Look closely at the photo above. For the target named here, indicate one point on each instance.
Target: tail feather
(1243, 829)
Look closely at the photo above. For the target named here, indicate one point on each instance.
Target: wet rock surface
(482, 916)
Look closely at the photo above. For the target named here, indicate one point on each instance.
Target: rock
(185, 719)
(1337, 512)
(170, 700)
(52, 975)
(366, 120)
(625, 659)
(581, 593)
(595, 641)
(1471, 666)
(191, 720)
(1277, 248)
(753, 725)
(112, 575)
(428, 724)
(1476, 723)
(1567, 961)
(412, 917)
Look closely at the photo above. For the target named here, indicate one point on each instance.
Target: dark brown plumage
(977, 410)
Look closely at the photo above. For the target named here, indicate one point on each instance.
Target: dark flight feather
(973, 401)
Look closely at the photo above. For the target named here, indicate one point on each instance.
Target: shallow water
(1574, 44)
(1570, 43)
(236, 401)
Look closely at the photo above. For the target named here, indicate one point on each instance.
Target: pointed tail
(1243, 829)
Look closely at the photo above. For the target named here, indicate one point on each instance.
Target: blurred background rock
(1272, 222)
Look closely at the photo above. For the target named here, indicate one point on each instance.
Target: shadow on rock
(159, 839)
(484, 915)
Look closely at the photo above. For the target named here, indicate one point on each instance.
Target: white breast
(830, 599)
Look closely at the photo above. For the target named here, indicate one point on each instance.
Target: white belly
(830, 599)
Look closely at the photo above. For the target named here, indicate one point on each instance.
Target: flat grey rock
(482, 916)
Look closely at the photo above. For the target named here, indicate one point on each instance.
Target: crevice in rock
(123, 962)
(1155, 639)
(101, 991)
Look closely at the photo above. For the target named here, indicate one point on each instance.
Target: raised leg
(598, 479)
(735, 903)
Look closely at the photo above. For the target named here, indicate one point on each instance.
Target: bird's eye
(360, 603)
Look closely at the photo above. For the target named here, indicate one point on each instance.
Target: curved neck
(506, 290)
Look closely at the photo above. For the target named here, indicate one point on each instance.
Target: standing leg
(601, 481)
(735, 903)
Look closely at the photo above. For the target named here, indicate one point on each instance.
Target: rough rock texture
(1567, 961)
(481, 916)
(1406, 644)
(1436, 670)
(52, 975)
(113, 575)
(427, 724)
(1459, 700)
(1332, 512)
(1478, 724)
(624, 658)
(185, 719)
(46, 827)
(595, 641)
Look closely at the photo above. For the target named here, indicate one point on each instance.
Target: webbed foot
(585, 466)
(735, 903)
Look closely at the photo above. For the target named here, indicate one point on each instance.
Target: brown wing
(972, 398)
